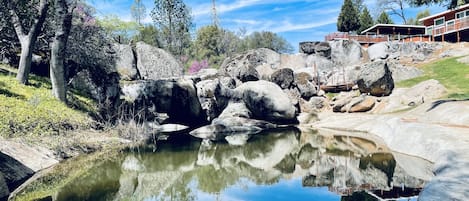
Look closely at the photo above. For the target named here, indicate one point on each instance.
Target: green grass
(449, 72)
(32, 110)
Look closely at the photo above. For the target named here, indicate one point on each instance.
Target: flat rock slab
(34, 157)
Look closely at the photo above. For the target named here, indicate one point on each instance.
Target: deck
(452, 26)
(362, 39)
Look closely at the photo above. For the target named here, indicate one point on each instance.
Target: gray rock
(125, 62)
(12, 174)
(97, 84)
(236, 109)
(283, 77)
(376, 79)
(378, 51)
(346, 52)
(243, 66)
(318, 102)
(318, 48)
(207, 73)
(425, 91)
(401, 72)
(213, 97)
(267, 101)
(341, 100)
(177, 98)
(155, 63)
(4, 191)
(305, 85)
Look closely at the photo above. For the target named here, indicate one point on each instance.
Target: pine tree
(366, 21)
(384, 19)
(348, 18)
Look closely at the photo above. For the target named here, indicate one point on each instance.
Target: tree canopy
(348, 18)
(384, 19)
(448, 3)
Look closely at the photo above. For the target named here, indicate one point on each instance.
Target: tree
(63, 25)
(384, 19)
(270, 40)
(359, 5)
(448, 3)
(173, 19)
(395, 7)
(138, 11)
(121, 31)
(348, 18)
(366, 21)
(148, 34)
(420, 15)
(26, 38)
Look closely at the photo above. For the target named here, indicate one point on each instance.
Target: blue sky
(295, 20)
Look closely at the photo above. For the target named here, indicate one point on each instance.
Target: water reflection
(281, 165)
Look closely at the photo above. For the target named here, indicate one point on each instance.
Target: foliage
(384, 19)
(267, 39)
(452, 74)
(138, 11)
(174, 20)
(148, 34)
(197, 66)
(366, 21)
(420, 15)
(32, 110)
(117, 29)
(359, 5)
(448, 3)
(348, 18)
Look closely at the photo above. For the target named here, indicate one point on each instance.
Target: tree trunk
(63, 21)
(27, 40)
(25, 60)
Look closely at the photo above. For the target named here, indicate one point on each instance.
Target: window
(450, 23)
(429, 31)
(462, 14)
(440, 21)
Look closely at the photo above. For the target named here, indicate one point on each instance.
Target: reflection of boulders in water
(287, 165)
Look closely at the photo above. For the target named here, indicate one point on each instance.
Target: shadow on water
(286, 163)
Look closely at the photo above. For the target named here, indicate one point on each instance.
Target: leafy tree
(63, 25)
(20, 15)
(384, 19)
(117, 29)
(366, 21)
(448, 3)
(138, 11)
(394, 7)
(348, 18)
(173, 19)
(359, 5)
(149, 34)
(270, 40)
(420, 15)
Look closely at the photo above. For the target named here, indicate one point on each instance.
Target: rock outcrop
(346, 52)
(125, 62)
(12, 174)
(376, 79)
(318, 48)
(267, 101)
(283, 77)
(154, 63)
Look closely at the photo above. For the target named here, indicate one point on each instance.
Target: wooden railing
(360, 38)
(459, 24)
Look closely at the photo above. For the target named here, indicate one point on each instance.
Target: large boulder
(346, 52)
(318, 48)
(283, 77)
(125, 62)
(155, 63)
(12, 174)
(401, 72)
(423, 92)
(177, 98)
(376, 79)
(377, 51)
(214, 96)
(305, 84)
(365, 105)
(267, 101)
(243, 66)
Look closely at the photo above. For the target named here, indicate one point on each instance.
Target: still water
(280, 165)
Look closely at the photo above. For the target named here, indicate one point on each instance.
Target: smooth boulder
(376, 79)
(154, 63)
(267, 101)
(318, 48)
(125, 62)
(283, 77)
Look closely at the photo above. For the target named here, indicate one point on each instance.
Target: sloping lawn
(32, 110)
(452, 74)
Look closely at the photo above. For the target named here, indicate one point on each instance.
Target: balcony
(451, 26)
(362, 39)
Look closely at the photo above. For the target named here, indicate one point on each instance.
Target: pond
(285, 164)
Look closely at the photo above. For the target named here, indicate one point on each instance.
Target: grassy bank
(449, 72)
(32, 110)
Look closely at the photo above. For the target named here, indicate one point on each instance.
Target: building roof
(444, 12)
(396, 29)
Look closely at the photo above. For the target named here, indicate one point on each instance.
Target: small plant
(197, 66)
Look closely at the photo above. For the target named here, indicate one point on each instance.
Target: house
(451, 25)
